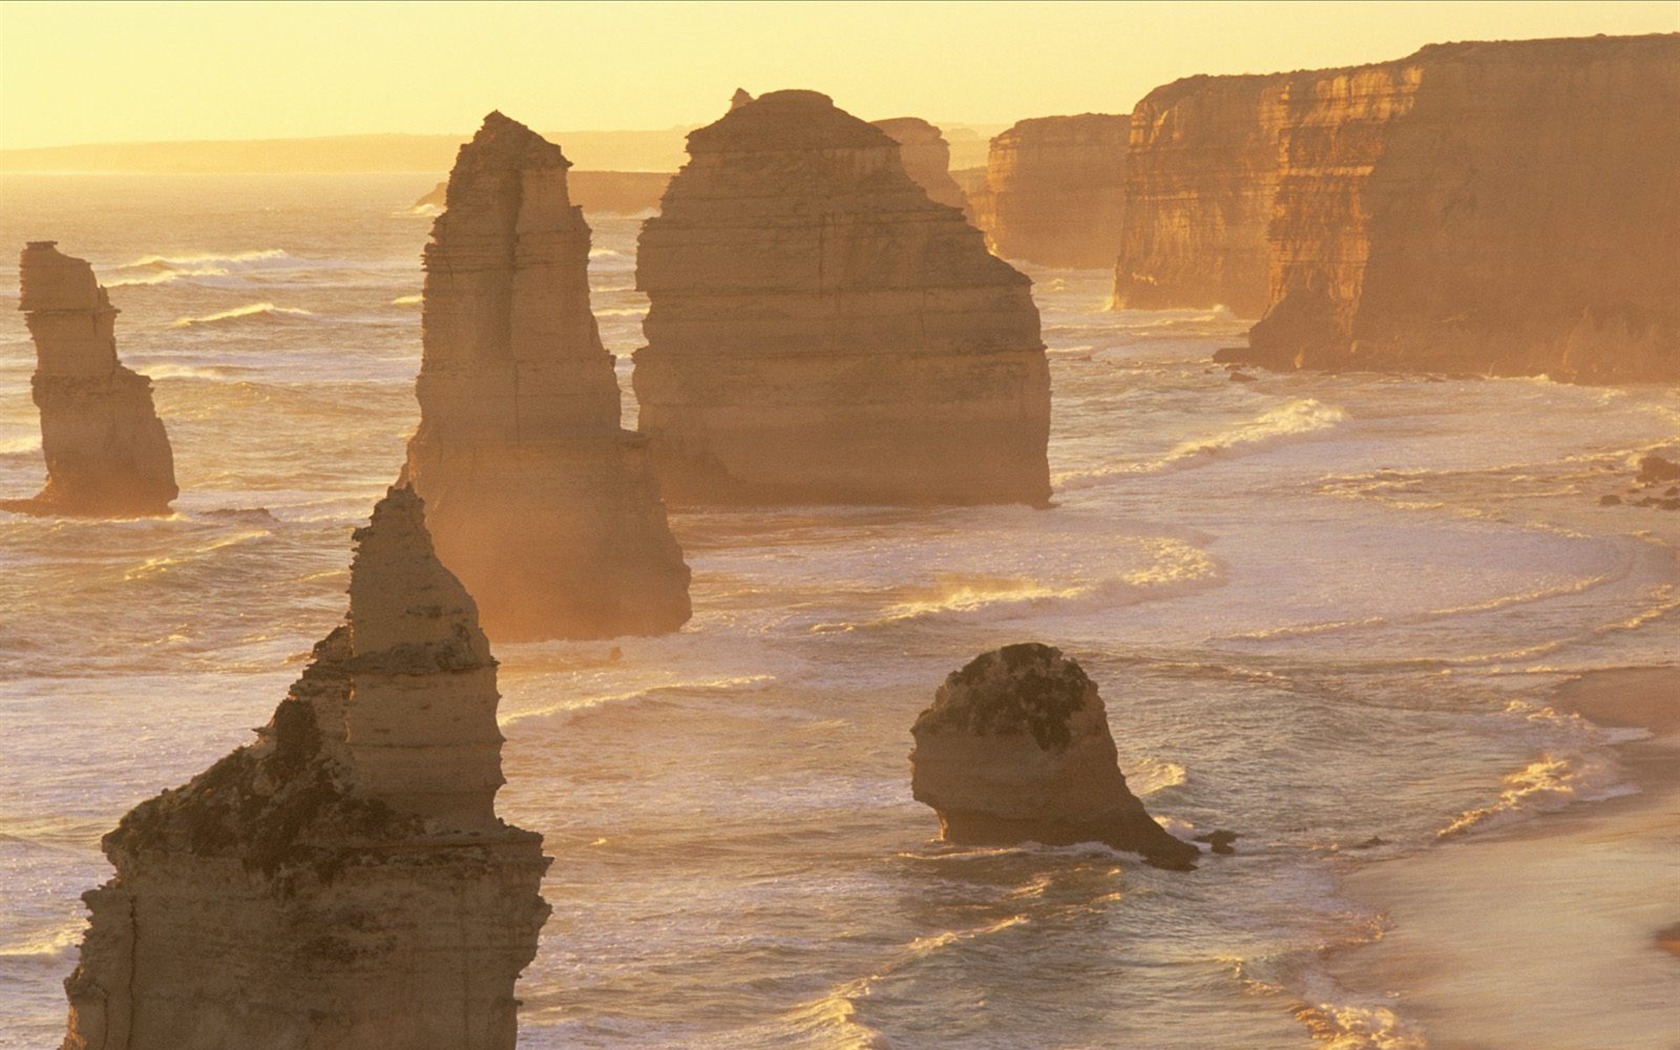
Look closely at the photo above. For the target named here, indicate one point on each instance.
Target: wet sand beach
(1560, 932)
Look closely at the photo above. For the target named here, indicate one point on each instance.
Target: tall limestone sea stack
(1056, 190)
(543, 505)
(1016, 748)
(1506, 208)
(819, 331)
(106, 450)
(344, 882)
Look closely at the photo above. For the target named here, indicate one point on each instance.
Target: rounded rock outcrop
(1016, 748)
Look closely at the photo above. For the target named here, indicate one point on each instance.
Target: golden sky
(122, 72)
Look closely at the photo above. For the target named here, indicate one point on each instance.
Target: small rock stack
(106, 450)
(1016, 748)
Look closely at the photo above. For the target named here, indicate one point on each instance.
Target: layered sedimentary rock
(1016, 748)
(343, 883)
(1201, 175)
(1056, 190)
(106, 450)
(819, 331)
(1510, 208)
(926, 157)
(544, 506)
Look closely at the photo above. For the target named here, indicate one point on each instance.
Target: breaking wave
(1297, 419)
(163, 269)
(1549, 783)
(1175, 568)
(248, 312)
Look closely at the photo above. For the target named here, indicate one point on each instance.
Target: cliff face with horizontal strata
(543, 505)
(819, 331)
(1056, 190)
(106, 450)
(1510, 208)
(1488, 207)
(1201, 177)
(344, 882)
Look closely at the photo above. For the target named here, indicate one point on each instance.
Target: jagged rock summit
(1016, 748)
(106, 450)
(539, 500)
(343, 883)
(819, 331)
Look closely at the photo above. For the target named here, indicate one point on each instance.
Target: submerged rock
(344, 882)
(1655, 469)
(543, 505)
(106, 450)
(1016, 748)
(820, 331)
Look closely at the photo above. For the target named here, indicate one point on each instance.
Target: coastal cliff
(819, 331)
(543, 505)
(926, 157)
(343, 883)
(106, 450)
(1056, 190)
(1201, 175)
(1016, 748)
(1506, 208)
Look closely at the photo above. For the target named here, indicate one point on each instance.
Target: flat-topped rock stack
(344, 882)
(1016, 748)
(539, 500)
(819, 331)
(106, 450)
(1056, 190)
(926, 157)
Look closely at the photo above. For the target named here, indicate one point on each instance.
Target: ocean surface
(1321, 610)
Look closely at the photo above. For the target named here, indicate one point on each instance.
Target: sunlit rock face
(821, 332)
(1509, 208)
(1201, 175)
(543, 505)
(1056, 190)
(1504, 208)
(106, 450)
(1016, 748)
(343, 883)
(926, 157)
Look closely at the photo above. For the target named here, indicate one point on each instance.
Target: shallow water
(1320, 609)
